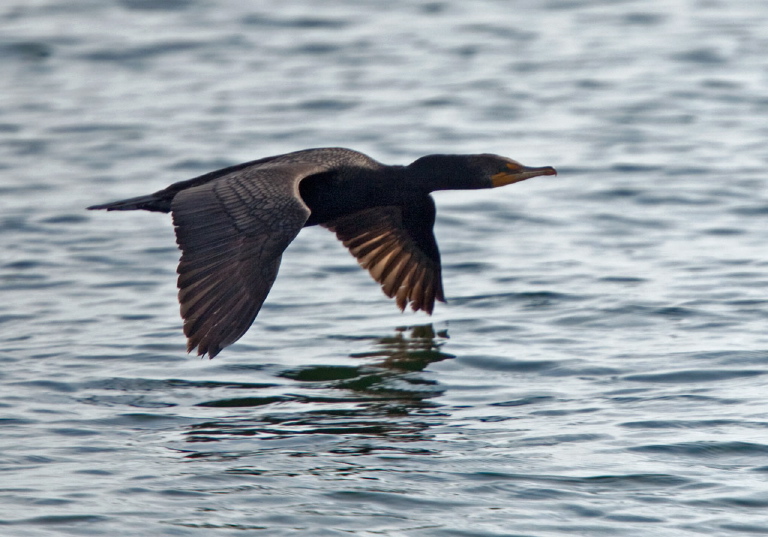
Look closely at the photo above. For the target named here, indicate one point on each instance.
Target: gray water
(599, 369)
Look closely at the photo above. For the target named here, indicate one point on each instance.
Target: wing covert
(232, 233)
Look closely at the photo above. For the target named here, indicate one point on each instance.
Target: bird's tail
(152, 202)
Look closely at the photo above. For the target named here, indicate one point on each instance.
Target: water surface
(599, 369)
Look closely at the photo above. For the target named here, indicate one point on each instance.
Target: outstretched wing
(397, 246)
(232, 233)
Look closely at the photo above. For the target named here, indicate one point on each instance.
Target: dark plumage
(232, 226)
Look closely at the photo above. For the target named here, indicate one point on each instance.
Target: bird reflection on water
(385, 398)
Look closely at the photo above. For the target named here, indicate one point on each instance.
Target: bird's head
(500, 171)
(460, 172)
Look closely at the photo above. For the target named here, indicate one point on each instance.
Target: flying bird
(232, 226)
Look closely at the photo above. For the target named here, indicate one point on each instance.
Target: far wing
(232, 233)
(397, 246)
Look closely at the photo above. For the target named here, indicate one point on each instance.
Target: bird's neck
(441, 172)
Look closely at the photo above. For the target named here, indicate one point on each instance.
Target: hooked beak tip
(548, 170)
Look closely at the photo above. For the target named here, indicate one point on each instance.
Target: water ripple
(598, 368)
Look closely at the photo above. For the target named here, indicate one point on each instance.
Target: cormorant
(232, 226)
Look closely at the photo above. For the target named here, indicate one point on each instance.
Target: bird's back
(330, 158)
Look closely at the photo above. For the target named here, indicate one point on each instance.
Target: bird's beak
(518, 172)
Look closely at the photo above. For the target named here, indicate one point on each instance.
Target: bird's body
(233, 225)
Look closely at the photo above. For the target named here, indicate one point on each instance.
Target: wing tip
(202, 351)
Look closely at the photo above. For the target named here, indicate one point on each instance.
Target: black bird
(232, 226)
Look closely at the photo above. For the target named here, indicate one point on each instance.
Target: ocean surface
(600, 367)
